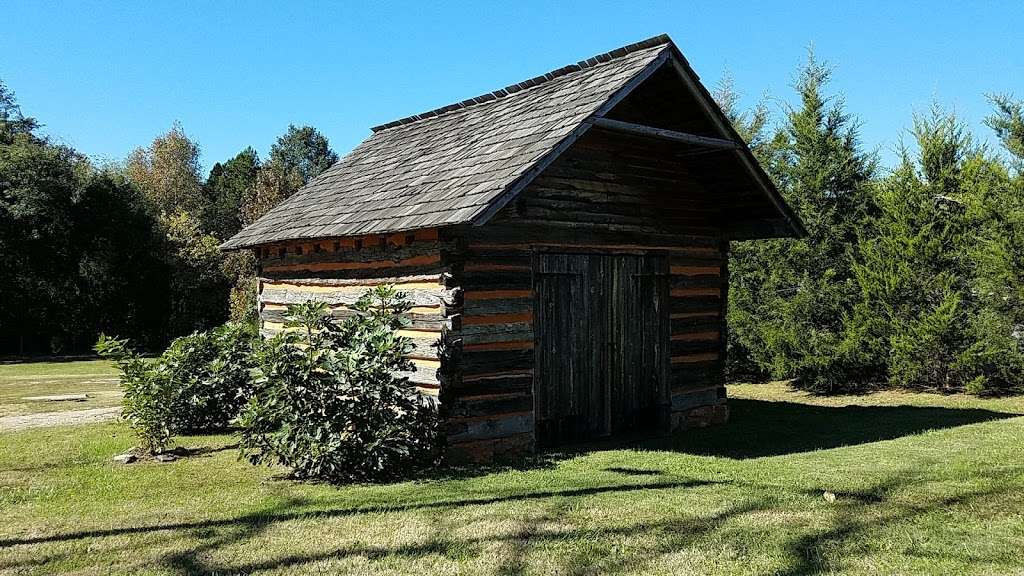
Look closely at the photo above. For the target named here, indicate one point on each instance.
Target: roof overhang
(787, 223)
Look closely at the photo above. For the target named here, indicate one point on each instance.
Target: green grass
(59, 369)
(924, 484)
(96, 378)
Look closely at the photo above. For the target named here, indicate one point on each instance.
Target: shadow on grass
(759, 428)
(272, 517)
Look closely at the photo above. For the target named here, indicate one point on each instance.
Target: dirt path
(67, 417)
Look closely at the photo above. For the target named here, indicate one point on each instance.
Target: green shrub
(212, 375)
(328, 403)
(199, 384)
(149, 394)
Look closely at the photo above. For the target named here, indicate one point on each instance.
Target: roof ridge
(513, 88)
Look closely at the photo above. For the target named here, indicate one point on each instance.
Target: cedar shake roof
(462, 162)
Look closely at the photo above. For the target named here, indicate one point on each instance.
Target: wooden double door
(601, 324)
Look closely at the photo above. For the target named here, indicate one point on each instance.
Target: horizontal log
(689, 292)
(476, 362)
(358, 274)
(664, 134)
(368, 253)
(695, 315)
(710, 335)
(688, 400)
(596, 216)
(686, 348)
(420, 376)
(597, 175)
(511, 256)
(696, 281)
(494, 265)
(517, 382)
(483, 333)
(341, 265)
(693, 374)
(708, 257)
(529, 232)
(401, 282)
(700, 270)
(488, 451)
(483, 319)
(467, 429)
(494, 280)
(488, 405)
(704, 304)
(495, 294)
(619, 195)
(289, 294)
(696, 324)
(694, 358)
(488, 307)
(433, 321)
(493, 346)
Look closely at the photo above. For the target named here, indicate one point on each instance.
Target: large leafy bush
(148, 394)
(212, 375)
(199, 384)
(328, 403)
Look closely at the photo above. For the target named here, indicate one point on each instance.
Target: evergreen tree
(1008, 124)
(790, 299)
(12, 121)
(80, 250)
(302, 153)
(751, 124)
(39, 182)
(298, 156)
(123, 278)
(909, 324)
(939, 305)
(227, 185)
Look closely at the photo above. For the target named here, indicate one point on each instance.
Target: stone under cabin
(564, 243)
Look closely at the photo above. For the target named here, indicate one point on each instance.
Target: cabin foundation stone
(699, 409)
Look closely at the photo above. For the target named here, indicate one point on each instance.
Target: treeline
(909, 277)
(130, 248)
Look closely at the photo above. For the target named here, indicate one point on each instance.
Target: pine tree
(298, 156)
(910, 270)
(1008, 124)
(789, 299)
(226, 187)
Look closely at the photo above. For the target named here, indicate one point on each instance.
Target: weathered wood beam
(663, 134)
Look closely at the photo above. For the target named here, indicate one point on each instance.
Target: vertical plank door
(602, 331)
(571, 394)
(637, 291)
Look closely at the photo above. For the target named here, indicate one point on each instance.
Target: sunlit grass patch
(923, 485)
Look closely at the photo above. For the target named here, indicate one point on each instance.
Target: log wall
(339, 271)
(472, 286)
(597, 196)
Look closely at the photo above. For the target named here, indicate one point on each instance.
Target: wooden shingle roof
(450, 165)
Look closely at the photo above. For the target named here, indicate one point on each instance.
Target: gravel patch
(66, 418)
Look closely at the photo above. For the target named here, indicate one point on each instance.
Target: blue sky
(107, 78)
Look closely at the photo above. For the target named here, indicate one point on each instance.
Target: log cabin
(563, 240)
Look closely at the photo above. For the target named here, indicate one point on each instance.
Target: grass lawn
(923, 484)
(96, 378)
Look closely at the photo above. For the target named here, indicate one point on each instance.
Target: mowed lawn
(922, 484)
(95, 378)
